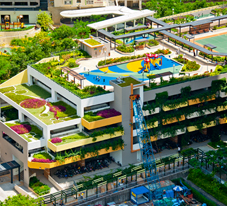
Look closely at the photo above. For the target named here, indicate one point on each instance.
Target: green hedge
(196, 194)
(24, 29)
(38, 187)
(42, 155)
(209, 184)
(125, 49)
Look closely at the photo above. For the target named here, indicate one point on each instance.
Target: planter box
(223, 94)
(178, 132)
(221, 108)
(140, 47)
(196, 114)
(197, 101)
(173, 120)
(101, 123)
(222, 120)
(79, 143)
(194, 128)
(147, 112)
(166, 108)
(153, 138)
(155, 125)
(40, 165)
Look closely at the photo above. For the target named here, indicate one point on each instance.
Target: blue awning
(139, 190)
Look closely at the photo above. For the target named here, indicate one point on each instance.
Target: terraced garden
(33, 99)
(25, 130)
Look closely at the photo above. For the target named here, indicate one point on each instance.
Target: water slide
(139, 72)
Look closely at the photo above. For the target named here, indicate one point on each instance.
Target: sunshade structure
(10, 166)
(121, 19)
(140, 195)
(211, 46)
(177, 188)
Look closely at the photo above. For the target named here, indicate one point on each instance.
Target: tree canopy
(44, 20)
(170, 7)
(21, 200)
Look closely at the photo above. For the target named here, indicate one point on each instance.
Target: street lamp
(134, 50)
(173, 11)
(143, 76)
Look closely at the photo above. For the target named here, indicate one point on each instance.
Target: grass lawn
(128, 81)
(72, 138)
(20, 93)
(34, 90)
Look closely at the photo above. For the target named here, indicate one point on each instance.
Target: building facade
(28, 8)
(173, 113)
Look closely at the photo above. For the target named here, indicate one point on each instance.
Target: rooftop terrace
(33, 99)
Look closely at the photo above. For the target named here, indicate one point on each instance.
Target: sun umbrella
(177, 188)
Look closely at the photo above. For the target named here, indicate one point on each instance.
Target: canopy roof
(127, 16)
(9, 165)
(73, 73)
(210, 45)
(136, 27)
(139, 190)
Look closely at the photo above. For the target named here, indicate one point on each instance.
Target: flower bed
(90, 116)
(21, 129)
(189, 65)
(153, 42)
(56, 140)
(38, 187)
(33, 103)
(43, 160)
(56, 109)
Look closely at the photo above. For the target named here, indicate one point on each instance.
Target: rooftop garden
(68, 139)
(128, 81)
(32, 98)
(53, 72)
(38, 187)
(103, 114)
(173, 80)
(92, 42)
(26, 130)
(189, 66)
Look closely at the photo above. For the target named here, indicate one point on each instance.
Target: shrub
(33, 103)
(125, 49)
(21, 129)
(190, 66)
(153, 42)
(42, 155)
(56, 140)
(38, 187)
(108, 113)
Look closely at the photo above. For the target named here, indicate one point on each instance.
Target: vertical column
(140, 4)
(0, 107)
(21, 116)
(125, 2)
(53, 95)
(30, 82)
(134, 23)
(125, 25)
(143, 20)
(115, 27)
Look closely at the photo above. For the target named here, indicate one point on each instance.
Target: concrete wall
(122, 104)
(8, 150)
(7, 37)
